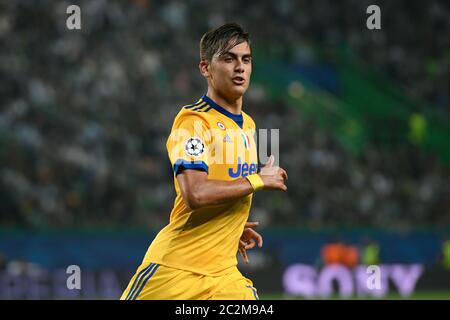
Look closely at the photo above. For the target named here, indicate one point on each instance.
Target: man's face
(229, 73)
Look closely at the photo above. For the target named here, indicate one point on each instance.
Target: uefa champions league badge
(221, 125)
(194, 147)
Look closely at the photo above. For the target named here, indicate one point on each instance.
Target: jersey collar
(235, 117)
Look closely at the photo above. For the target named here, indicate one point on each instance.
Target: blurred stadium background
(364, 135)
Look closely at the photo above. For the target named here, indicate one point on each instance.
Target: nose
(239, 67)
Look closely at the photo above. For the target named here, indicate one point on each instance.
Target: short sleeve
(189, 143)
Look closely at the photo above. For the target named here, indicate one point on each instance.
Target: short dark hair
(222, 39)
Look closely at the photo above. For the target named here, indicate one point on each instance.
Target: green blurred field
(424, 295)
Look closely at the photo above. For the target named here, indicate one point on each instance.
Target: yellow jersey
(207, 137)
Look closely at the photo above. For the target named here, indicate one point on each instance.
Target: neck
(232, 105)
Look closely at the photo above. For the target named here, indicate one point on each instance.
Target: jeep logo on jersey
(194, 147)
(243, 169)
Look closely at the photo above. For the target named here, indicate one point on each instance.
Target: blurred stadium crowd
(84, 115)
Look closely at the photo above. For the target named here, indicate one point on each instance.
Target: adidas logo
(227, 138)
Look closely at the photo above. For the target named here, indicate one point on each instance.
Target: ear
(203, 66)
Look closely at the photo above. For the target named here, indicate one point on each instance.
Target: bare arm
(198, 191)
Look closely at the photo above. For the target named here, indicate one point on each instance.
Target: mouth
(238, 81)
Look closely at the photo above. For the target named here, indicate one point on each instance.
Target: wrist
(256, 181)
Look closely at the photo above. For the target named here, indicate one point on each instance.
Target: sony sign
(305, 280)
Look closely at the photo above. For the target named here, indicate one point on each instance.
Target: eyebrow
(247, 55)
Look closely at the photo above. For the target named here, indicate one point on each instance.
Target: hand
(247, 240)
(273, 177)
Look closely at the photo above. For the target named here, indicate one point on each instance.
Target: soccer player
(214, 157)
